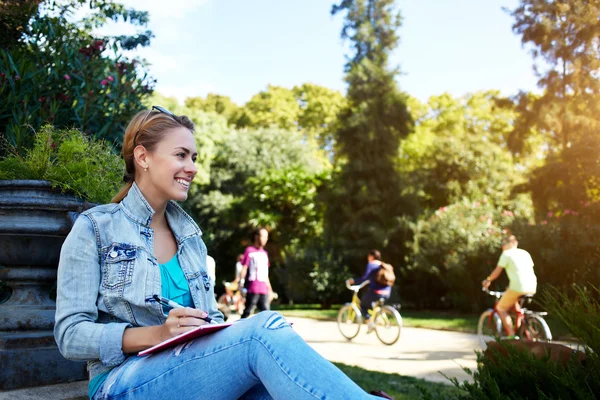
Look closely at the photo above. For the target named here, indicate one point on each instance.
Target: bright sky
(236, 48)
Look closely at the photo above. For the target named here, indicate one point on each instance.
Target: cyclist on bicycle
(522, 280)
(376, 291)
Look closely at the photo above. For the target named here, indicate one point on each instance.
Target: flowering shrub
(60, 73)
(565, 247)
(454, 249)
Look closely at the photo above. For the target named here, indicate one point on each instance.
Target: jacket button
(113, 254)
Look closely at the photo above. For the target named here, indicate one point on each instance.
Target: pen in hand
(172, 304)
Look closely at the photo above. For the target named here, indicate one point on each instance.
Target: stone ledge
(63, 391)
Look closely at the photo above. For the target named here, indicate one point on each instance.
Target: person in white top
(522, 280)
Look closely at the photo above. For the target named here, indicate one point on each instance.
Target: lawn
(418, 319)
(398, 386)
(442, 320)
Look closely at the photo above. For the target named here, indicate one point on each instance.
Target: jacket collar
(137, 208)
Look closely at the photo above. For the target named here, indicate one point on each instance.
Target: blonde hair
(146, 128)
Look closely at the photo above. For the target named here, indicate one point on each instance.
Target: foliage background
(434, 184)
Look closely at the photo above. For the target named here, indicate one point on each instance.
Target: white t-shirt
(211, 266)
(519, 268)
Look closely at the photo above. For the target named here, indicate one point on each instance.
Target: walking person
(120, 257)
(256, 270)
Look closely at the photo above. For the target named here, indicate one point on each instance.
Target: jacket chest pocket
(117, 268)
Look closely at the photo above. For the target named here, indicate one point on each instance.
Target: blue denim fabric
(108, 273)
(256, 358)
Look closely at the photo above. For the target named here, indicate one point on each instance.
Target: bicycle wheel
(535, 328)
(489, 328)
(388, 324)
(349, 321)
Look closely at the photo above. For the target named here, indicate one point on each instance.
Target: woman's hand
(181, 320)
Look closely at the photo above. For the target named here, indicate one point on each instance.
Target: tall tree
(366, 200)
(564, 36)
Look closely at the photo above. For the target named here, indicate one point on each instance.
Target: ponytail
(122, 193)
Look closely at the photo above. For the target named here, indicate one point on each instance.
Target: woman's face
(171, 166)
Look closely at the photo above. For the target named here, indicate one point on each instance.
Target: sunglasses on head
(154, 108)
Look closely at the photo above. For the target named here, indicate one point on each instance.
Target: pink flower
(17, 77)
(67, 77)
(544, 222)
(477, 204)
(110, 78)
(550, 214)
(104, 82)
(567, 212)
(444, 209)
(505, 231)
(489, 221)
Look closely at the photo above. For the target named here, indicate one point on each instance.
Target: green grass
(397, 386)
(419, 319)
(442, 320)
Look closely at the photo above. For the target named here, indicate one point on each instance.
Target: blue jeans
(256, 358)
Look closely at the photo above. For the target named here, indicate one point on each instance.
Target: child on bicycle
(522, 280)
(376, 290)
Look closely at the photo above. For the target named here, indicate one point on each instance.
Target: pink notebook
(185, 337)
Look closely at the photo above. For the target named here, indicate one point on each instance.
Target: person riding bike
(376, 290)
(522, 280)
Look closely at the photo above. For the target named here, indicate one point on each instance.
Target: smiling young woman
(120, 257)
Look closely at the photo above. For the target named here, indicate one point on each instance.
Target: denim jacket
(108, 274)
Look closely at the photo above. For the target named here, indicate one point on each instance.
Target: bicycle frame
(519, 314)
(356, 301)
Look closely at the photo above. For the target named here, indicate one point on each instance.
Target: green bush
(70, 161)
(453, 250)
(313, 273)
(519, 375)
(565, 247)
(62, 74)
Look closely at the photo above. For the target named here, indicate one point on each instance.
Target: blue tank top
(174, 286)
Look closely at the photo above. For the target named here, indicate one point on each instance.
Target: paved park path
(419, 352)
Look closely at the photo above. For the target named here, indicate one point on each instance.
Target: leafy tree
(216, 103)
(60, 72)
(457, 150)
(564, 40)
(319, 107)
(366, 198)
(275, 106)
(563, 36)
(14, 16)
(265, 176)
